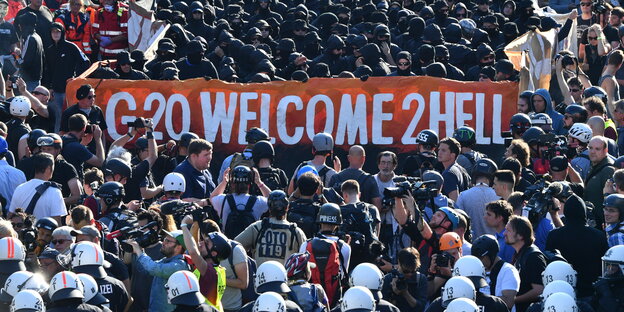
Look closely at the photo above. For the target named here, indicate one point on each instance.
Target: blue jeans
(56, 110)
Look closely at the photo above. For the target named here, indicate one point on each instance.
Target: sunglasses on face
(59, 241)
(91, 97)
(404, 64)
(592, 38)
(586, 3)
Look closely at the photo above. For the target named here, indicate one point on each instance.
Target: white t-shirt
(50, 204)
(508, 279)
(259, 207)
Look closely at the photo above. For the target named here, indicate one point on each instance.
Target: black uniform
(290, 307)
(72, 305)
(115, 291)
(200, 308)
(16, 129)
(609, 295)
(485, 302)
(63, 60)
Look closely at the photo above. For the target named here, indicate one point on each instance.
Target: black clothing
(200, 308)
(417, 287)
(31, 68)
(486, 303)
(290, 307)
(8, 37)
(203, 69)
(609, 295)
(132, 75)
(118, 269)
(133, 185)
(115, 291)
(16, 128)
(63, 60)
(530, 263)
(44, 21)
(567, 239)
(63, 172)
(95, 116)
(72, 305)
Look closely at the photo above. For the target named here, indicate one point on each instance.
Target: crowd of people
(90, 224)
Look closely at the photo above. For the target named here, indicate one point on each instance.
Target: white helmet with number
(271, 276)
(22, 280)
(462, 305)
(458, 287)
(560, 302)
(472, 268)
(581, 132)
(558, 286)
(20, 106)
(367, 275)
(183, 288)
(92, 293)
(611, 261)
(11, 249)
(27, 301)
(174, 182)
(357, 298)
(88, 257)
(65, 285)
(559, 271)
(269, 302)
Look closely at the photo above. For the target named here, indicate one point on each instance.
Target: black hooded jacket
(581, 245)
(336, 63)
(372, 58)
(32, 51)
(64, 60)
(198, 27)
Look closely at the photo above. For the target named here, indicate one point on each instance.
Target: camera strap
(596, 171)
(494, 276)
(39, 191)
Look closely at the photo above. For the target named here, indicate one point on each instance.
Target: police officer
(17, 126)
(18, 281)
(369, 276)
(271, 276)
(92, 293)
(67, 294)
(12, 256)
(269, 302)
(358, 299)
(183, 292)
(609, 289)
(472, 268)
(27, 301)
(425, 158)
(87, 257)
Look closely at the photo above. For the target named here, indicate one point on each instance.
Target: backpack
(238, 220)
(303, 212)
(357, 218)
(306, 297)
(268, 251)
(239, 159)
(249, 294)
(325, 253)
(272, 179)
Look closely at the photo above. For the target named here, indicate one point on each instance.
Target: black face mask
(195, 58)
(344, 20)
(491, 31)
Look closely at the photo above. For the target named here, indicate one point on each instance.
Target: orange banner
(385, 111)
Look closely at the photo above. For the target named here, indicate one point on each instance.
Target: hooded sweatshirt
(556, 117)
(372, 58)
(64, 60)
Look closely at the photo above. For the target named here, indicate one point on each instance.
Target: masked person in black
(372, 57)
(165, 52)
(388, 49)
(312, 45)
(442, 56)
(194, 65)
(414, 34)
(124, 68)
(490, 25)
(332, 56)
(441, 14)
(404, 64)
(485, 57)
(196, 22)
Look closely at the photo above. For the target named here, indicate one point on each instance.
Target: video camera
(28, 235)
(599, 7)
(420, 190)
(143, 235)
(540, 198)
(179, 209)
(557, 145)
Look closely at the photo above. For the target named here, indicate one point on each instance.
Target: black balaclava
(195, 52)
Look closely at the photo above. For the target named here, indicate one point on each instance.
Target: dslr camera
(444, 259)
(557, 145)
(420, 190)
(139, 123)
(401, 283)
(28, 235)
(599, 7)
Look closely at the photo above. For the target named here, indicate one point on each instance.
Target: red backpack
(325, 253)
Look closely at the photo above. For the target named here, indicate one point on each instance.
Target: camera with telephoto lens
(599, 7)
(143, 235)
(444, 259)
(28, 235)
(557, 145)
(179, 209)
(420, 190)
(540, 199)
(138, 123)
(401, 283)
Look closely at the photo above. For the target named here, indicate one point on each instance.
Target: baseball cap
(306, 168)
(87, 230)
(559, 163)
(178, 236)
(49, 253)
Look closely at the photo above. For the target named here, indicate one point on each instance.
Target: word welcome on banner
(387, 111)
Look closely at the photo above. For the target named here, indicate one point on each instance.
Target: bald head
(597, 124)
(356, 157)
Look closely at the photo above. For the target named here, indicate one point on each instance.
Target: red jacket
(77, 29)
(112, 24)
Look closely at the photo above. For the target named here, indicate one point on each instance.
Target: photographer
(114, 213)
(425, 158)
(442, 262)
(173, 250)
(405, 287)
(141, 282)
(86, 107)
(74, 151)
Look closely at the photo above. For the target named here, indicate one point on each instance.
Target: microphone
(555, 188)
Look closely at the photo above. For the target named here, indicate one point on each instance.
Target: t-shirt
(75, 153)
(134, 184)
(199, 184)
(50, 204)
(530, 273)
(473, 202)
(63, 172)
(222, 207)
(368, 185)
(455, 179)
(508, 279)
(274, 244)
(232, 297)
